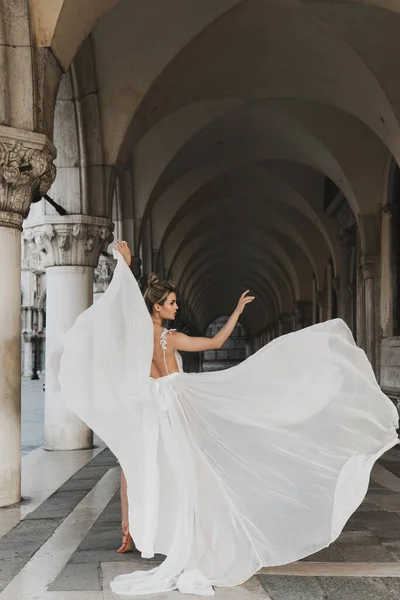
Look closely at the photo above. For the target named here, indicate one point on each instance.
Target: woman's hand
(123, 249)
(243, 300)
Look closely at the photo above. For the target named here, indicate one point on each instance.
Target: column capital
(347, 237)
(71, 240)
(370, 266)
(26, 166)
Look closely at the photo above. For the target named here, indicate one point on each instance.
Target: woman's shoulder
(163, 337)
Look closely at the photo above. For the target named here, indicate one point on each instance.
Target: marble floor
(60, 542)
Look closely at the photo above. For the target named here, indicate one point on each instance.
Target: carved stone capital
(73, 240)
(103, 273)
(347, 237)
(370, 266)
(26, 166)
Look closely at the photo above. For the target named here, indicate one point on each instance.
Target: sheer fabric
(258, 465)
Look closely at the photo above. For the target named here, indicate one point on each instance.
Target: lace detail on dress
(163, 342)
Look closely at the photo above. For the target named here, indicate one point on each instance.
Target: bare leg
(124, 502)
(127, 542)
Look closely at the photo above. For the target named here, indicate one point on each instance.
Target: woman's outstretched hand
(123, 249)
(243, 300)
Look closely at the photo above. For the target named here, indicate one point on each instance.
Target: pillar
(70, 247)
(301, 315)
(25, 166)
(284, 324)
(27, 333)
(370, 270)
(348, 242)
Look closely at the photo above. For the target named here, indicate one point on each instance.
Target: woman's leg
(127, 542)
(124, 503)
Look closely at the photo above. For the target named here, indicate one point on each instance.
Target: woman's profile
(258, 465)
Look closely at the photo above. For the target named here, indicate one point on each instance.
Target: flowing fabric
(258, 465)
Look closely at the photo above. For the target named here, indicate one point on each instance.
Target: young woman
(258, 465)
(161, 302)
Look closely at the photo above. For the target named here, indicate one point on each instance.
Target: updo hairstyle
(157, 291)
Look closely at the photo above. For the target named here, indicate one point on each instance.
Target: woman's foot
(127, 542)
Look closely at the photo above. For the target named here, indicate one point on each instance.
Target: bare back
(164, 358)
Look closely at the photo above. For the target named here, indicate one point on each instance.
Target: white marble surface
(32, 581)
(42, 474)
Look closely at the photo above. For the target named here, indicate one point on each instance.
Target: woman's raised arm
(186, 343)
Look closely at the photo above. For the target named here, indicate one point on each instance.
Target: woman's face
(169, 308)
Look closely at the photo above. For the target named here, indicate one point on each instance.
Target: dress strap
(163, 342)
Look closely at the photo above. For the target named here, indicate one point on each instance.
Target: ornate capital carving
(73, 240)
(26, 166)
(103, 273)
(348, 237)
(370, 267)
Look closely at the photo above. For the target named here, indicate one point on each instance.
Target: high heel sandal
(127, 542)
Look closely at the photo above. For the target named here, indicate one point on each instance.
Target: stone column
(348, 241)
(284, 324)
(25, 166)
(28, 358)
(370, 269)
(320, 305)
(27, 333)
(302, 315)
(70, 247)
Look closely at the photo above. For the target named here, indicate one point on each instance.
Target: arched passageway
(254, 145)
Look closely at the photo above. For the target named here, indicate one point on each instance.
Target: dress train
(258, 465)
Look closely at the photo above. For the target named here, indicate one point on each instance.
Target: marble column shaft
(70, 247)
(26, 166)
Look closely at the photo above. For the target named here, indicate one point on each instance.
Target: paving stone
(394, 549)
(388, 502)
(24, 540)
(95, 472)
(356, 524)
(354, 588)
(393, 585)
(98, 556)
(370, 504)
(80, 484)
(9, 569)
(357, 538)
(385, 525)
(292, 588)
(330, 554)
(78, 578)
(58, 506)
(19, 545)
(367, 554)
(393, 466)
(103, 537)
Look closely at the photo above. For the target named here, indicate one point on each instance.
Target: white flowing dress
(258, 465)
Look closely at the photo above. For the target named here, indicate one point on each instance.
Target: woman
(161, 302)
(258, 465)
